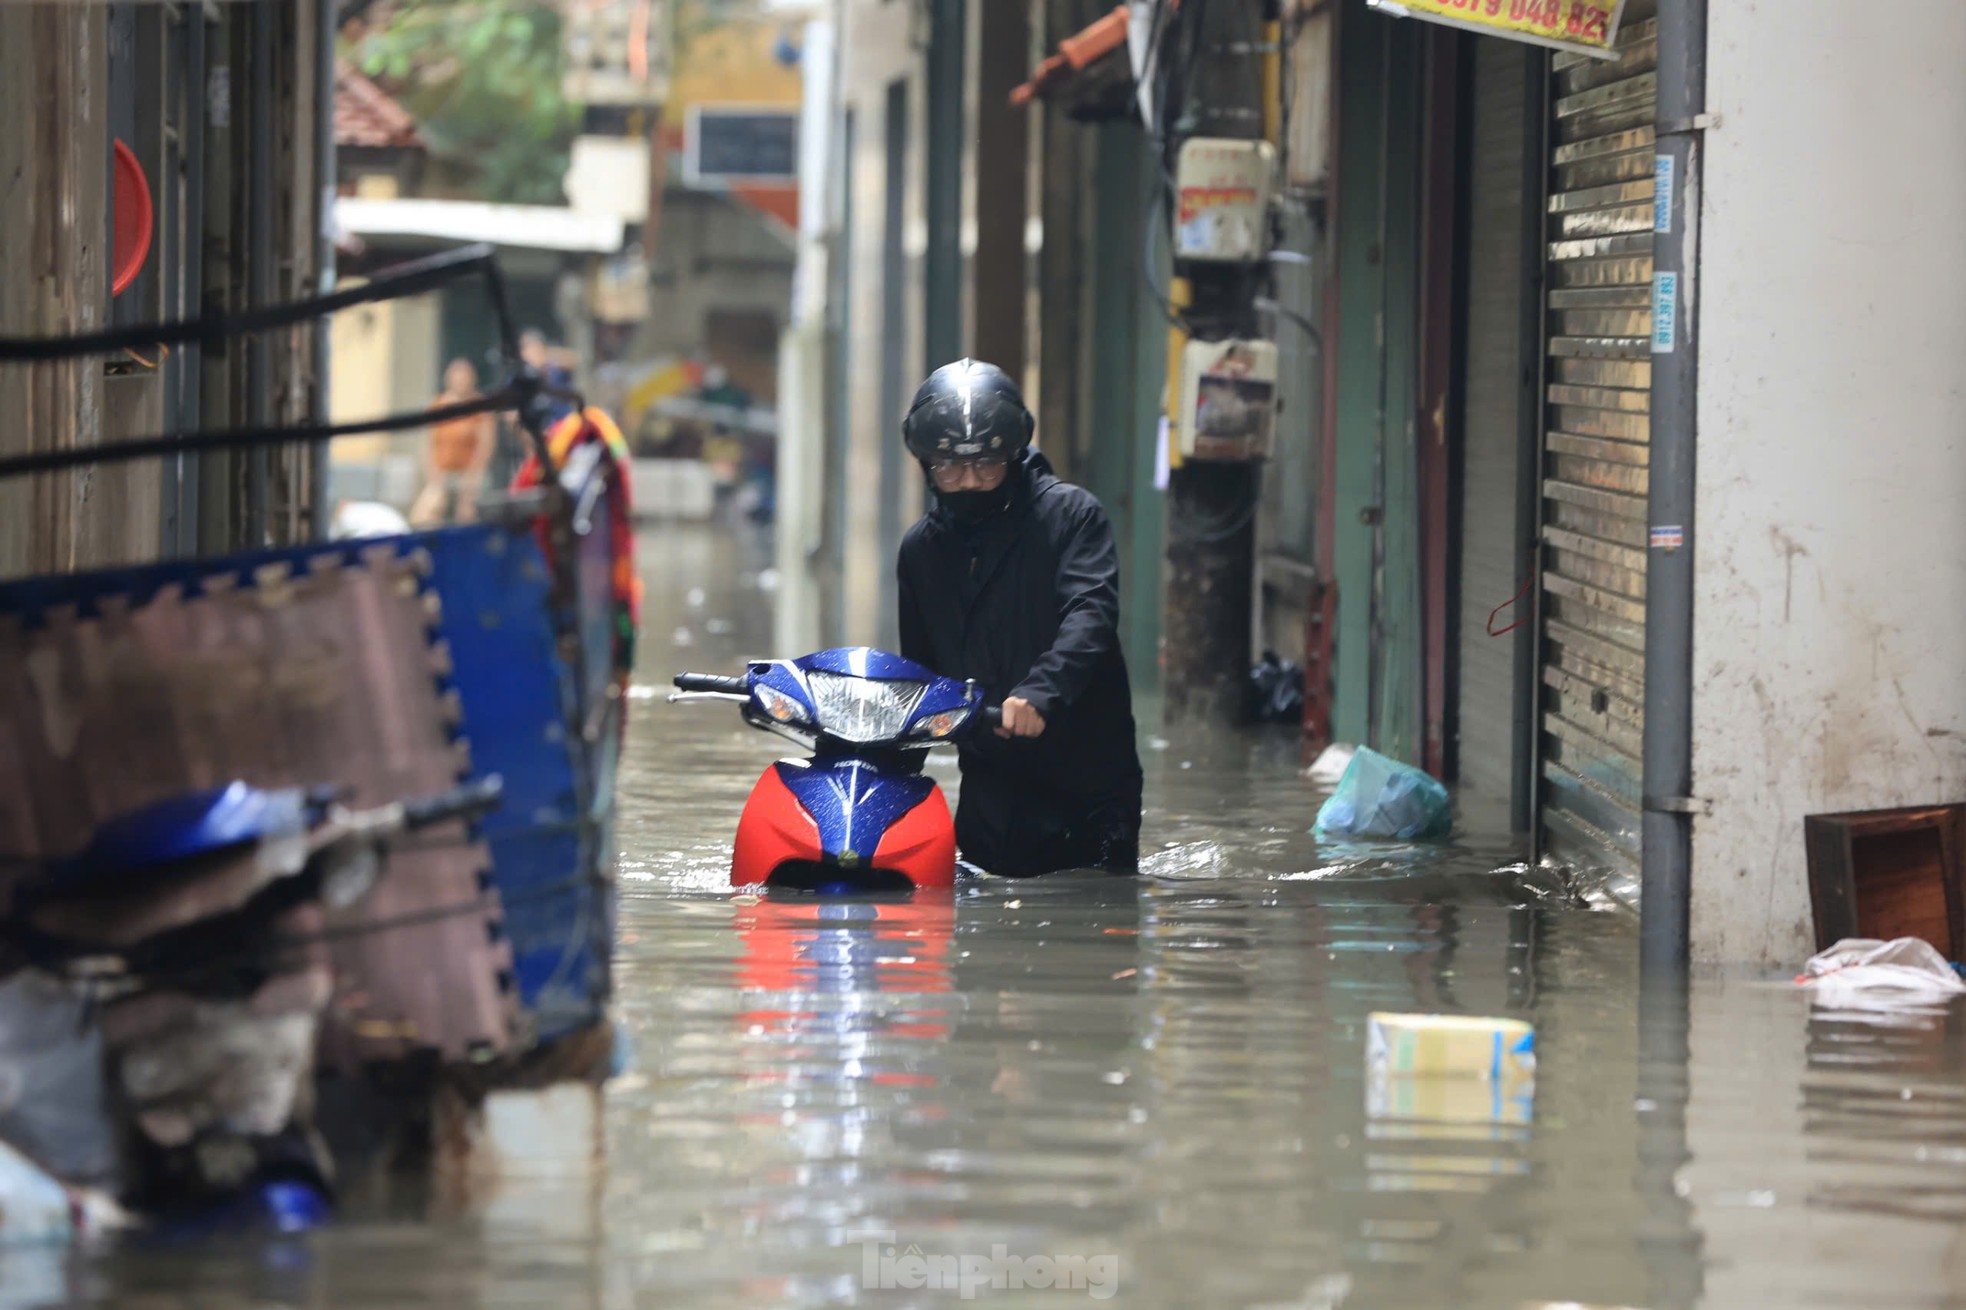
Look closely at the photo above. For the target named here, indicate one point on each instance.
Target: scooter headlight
(779, 706)
(937, 726)
(863, 710)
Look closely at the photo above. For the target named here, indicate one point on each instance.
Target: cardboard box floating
(1450, 1046)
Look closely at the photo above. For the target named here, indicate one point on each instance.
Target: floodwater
(1152, 1088)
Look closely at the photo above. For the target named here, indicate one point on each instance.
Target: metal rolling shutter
(1595, 454)
(1495, 407)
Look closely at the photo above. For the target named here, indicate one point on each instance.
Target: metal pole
(195, 33)
(1668, 820)
(259, 264)
(325, 173)
(1212, 507)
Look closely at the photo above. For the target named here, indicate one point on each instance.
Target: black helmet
(967, 410)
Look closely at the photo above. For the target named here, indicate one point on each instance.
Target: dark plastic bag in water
(1382, 798)
(1276, 691)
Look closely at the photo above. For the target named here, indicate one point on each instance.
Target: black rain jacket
(1027, 603)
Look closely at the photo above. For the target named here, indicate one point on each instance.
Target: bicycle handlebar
(469, 800)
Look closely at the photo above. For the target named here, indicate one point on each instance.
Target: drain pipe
(1667, 830)
(319, 505)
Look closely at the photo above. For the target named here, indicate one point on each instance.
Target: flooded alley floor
(1154, 1086)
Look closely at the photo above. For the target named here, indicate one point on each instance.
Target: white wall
(878, 45)
(385, 361)
(802, 401)
(1830, 655)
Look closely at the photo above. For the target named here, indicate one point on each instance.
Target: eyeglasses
(951, 470)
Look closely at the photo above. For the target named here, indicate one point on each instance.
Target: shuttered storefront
(1595, 453)
(1498, 414)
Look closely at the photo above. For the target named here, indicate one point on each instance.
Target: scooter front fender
(845, 815)
(774, 830)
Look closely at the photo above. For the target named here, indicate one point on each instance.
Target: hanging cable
(408, 279)
(1495, 613)
(513, 396)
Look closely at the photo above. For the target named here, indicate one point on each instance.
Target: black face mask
(970, 508)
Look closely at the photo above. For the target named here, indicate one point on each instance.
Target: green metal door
(1376, 537)
(1128, 353)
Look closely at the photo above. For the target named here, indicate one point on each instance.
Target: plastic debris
(367, 518)
(1379, 797)
(1331, 764)
(33, 1206)
(1863, 973)
(54, 1099)
(1450, 1045)
(1276, 690)
(36, 1208)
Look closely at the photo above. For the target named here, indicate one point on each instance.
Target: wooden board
(1889, 873)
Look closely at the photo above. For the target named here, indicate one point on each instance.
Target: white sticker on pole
(1662, 175)
(1665, 312)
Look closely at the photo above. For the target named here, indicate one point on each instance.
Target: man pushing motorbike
(1011, 578)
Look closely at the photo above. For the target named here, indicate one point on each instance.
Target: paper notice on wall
(1587, 26)
(1161, 471)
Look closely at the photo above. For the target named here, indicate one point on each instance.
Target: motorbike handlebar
(715, 683)
(990, 716)
(471, 799)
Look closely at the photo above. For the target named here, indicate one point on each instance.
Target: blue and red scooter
(857, 815)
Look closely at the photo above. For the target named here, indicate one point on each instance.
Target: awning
(517, 227)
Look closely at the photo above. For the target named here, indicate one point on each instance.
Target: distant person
(460, 450)
(538, 357)
(1012, 579)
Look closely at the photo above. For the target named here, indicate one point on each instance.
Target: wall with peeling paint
(1830, 651)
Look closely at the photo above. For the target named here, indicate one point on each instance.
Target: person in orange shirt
(459, 451)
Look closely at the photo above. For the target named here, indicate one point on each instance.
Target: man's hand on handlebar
(1020, 719)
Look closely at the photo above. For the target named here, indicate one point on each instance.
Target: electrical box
(1228, 400)
(1222, 200)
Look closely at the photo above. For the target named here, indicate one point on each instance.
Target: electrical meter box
(1222, 200)
(1228, 400)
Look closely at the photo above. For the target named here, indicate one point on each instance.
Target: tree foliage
(483, 78)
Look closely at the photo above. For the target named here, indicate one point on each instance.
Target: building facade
(220, 111)
(1492, 524)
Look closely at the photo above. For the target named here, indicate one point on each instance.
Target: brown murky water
(1153, 1087)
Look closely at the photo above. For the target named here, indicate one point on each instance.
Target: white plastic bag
(1861, 973)
(1330, 765)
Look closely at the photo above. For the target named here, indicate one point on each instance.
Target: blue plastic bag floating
(1381, 798)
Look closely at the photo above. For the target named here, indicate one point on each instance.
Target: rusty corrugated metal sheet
(327, 677)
